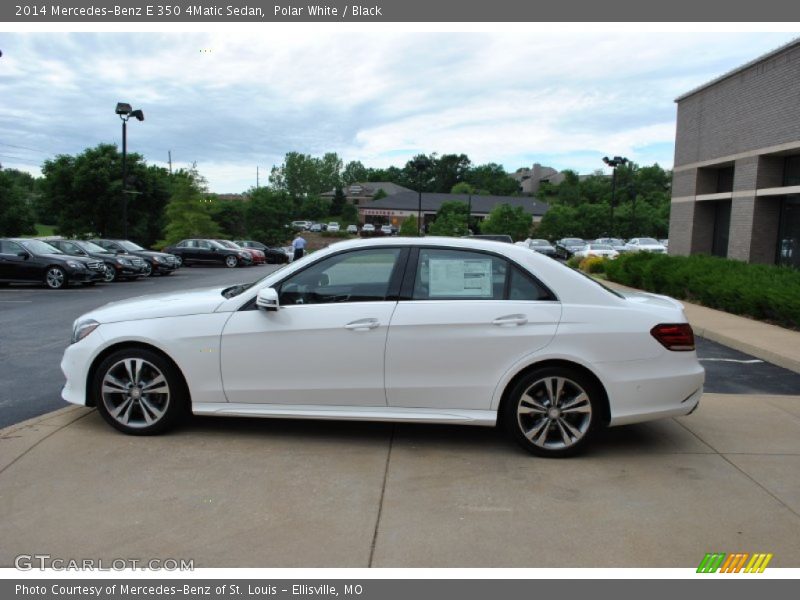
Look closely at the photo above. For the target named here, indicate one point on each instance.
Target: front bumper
(84, 276)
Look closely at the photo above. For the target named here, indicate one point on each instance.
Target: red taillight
(674, 336)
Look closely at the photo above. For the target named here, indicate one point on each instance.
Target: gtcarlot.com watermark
(42, 562)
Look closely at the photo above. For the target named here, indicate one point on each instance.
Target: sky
(232, 102)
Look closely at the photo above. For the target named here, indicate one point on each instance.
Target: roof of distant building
(433, 202)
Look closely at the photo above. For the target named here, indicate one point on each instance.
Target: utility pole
(257, 180)
(169, 153)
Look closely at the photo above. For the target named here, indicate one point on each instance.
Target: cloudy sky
(234, 101)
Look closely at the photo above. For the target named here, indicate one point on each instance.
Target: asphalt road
(35, 327)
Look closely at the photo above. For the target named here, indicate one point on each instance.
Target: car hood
(155, 306)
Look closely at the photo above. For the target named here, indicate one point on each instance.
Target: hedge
(764, 292)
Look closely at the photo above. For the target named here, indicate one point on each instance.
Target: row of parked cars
(58, 262)
(604, 247)
(366, 230)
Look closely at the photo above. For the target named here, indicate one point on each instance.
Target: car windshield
(90, 247)
(574, 241)
(540, 243)
(600, 247)
(229, 244)
(39, 247)
(130, 246)
(648, 241)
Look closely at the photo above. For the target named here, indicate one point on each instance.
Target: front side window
(361, 276)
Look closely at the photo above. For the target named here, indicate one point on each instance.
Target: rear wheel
(139, 392)
(231, 261)
(553, 411)
(55, 278)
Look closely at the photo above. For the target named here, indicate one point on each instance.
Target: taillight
(674, 336)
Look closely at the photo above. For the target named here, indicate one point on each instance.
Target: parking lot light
(125, 112)
(614, 163)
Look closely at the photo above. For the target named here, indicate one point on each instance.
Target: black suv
(26, 260)
(154, 262)
(117, 267)
(206, 252)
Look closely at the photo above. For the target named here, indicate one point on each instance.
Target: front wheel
(110, 274)
(553, 411)
(148, 269)
(139, 392)
(179, 260)
(55, 278)
(231, 261)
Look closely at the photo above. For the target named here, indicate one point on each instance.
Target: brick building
(736, 182)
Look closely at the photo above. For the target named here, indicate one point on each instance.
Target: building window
(791, 170)
(725, 180)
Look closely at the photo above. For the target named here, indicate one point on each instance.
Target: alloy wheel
(231, 261)
(55, 278)
(148, 268)
(109, 274)
(135, 393)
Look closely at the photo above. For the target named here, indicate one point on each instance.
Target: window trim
(407, 287)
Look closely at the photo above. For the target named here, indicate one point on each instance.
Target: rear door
(469, 318)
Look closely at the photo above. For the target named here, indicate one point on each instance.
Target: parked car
(368, 229)
(616, 243)
(274, 256)
(645, 245)
(386, 230)
(352, 229)
(566, 247)
(289, 252)
(300, 225)
(259, 258)
(594, 249)
(156, 263)
(209, 252)
(25, 260)
(333, 227)
(410, 313)
(538, 245)
(116, 266)
(664, 243)
(315, 228)
(493, 237)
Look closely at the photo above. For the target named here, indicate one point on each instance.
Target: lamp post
(420, 164)
(614, 163)
(125, 112)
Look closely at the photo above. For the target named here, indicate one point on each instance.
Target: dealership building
(736, 181)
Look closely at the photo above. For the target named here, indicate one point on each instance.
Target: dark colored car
(492, 237)
(155, 262)
(209, 252)
(275, 256)
(26, 260)
(117, 266)
(566, 247)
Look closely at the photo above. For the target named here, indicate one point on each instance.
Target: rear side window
(524, 287)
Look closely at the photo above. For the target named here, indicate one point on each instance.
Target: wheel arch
(91, 400)
(557, 362)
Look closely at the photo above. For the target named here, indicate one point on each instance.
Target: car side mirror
(267, 299)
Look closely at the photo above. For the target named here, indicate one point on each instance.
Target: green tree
(492, 178)
(507, 219)
(463, 188)
(349, 214)
(314, 208)
(410, 227)
(16, 216)
(353, 172)
(381, 193)
(188, 214)
(451, 219)
(338, 202)
(231, 217)
(268, 214)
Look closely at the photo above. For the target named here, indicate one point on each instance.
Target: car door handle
(510, 320)
(362, 324)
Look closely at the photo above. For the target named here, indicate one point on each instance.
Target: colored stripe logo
(740, 562)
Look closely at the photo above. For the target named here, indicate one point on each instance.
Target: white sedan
(645, 245)
(593, 249)
(433, 330)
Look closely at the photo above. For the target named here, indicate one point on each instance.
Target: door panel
(313, 354)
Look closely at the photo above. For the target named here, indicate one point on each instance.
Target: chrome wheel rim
(231, 261)
(148, 269)
(135, 393)
(55, 278)
(554, 413)
(109, 275)
(178, 260)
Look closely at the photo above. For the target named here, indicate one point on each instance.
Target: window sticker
(471, 278)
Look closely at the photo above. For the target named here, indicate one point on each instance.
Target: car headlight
(83, 328)
(123, 261)
(75, 265)
(158, 259)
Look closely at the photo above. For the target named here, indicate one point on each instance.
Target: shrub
(574, 262)
(765, 292)
(593, 264)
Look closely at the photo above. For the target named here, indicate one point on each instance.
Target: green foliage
(188, 213)
(231, 216)
(507, 219)
(338, 201)
(463, 188)
(451, 220)
(765, 292)
(267, 215)
(574, 262)
(349, 214)
(593, 264)
(314, 208)
(379, 194)
(303, 175)
(409, 227)
(16, 215)
(491, 178)
(353, 172)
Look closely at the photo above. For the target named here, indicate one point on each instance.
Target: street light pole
(125, 112)
(614, 163)
(420, 164)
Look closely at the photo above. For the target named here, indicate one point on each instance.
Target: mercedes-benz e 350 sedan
(434, 330)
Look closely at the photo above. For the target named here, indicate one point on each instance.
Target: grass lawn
(45, 230)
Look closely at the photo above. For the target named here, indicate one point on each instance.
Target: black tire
(163, 409)
(542, 426)
(231, 261)
(179, 260)
(111, 274)
(148, 269)
(55, 278)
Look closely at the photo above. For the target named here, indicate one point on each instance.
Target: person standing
(299, 245)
